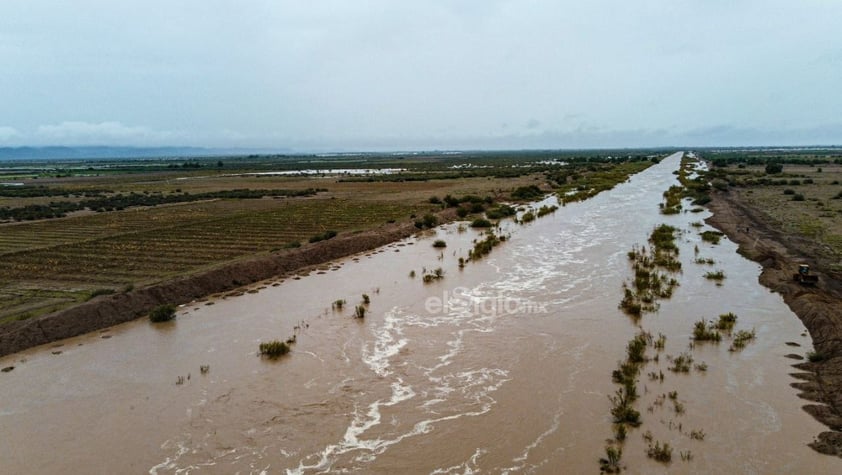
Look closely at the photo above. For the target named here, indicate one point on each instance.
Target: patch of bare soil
(108, 310)
(819, 307)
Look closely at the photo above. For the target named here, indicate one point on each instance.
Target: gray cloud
(111, 133)
(8, 133)
(338, 74)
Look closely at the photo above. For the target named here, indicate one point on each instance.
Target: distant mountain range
(109, 152)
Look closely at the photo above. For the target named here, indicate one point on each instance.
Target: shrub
(717, 276)
(481, 223)
(817, 356)
(477, 208)
(366, 299)
(636, 349)
(622, 411)
(798, 197)
(659, 452)
(274, 348)
(712, 237)
(682, 363)
(545, 210)
(703, 332)
(323, 236)
(719, 184)
(439, 243)
(98, 292)
(527, 217)
(162, 313)
(527, 193)
(500, 212)
(611, 462)
(359, 311)
(740, 339)
(434, 275)
(726, 321)
(789, 191)
(484, 247)
(773, 168)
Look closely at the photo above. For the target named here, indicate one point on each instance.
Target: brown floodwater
(501, 367)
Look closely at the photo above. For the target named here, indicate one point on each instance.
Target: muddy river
(501, 367)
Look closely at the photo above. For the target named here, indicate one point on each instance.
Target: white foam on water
(170, 463)
(468, 467)
(521, 459)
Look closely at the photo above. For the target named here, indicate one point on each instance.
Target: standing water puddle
(502, 367)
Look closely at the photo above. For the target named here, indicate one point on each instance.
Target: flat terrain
(48, 264)
(817, 217)
(179, 218)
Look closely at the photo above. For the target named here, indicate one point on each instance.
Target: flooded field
(501, 367)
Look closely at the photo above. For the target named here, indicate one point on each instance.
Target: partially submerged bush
(359, 311)
(661, 453)
(274, 348)
(481, 223)
(741, 338)
(481, 248)
(545, 210)
(439, 243)
(162, 313)
(704, 332)
(682, 363)
(434, 275)
(611, 462)
(712, 237)
(726, 322)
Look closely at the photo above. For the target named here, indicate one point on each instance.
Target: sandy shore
(819, 307)
(109, 310)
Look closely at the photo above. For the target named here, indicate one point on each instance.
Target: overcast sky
(413, 74)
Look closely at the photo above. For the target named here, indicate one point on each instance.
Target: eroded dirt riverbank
(818, 307)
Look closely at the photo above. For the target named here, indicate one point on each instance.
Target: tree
(772, 168)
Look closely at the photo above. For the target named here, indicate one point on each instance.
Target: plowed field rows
(74, 256)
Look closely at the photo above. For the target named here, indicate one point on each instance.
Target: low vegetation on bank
(162, 313)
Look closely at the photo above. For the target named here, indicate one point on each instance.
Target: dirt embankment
(819, 307)
(109, 310)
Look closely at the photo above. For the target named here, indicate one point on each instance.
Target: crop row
(171, 249)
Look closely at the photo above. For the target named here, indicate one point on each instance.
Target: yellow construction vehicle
(804, 277)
